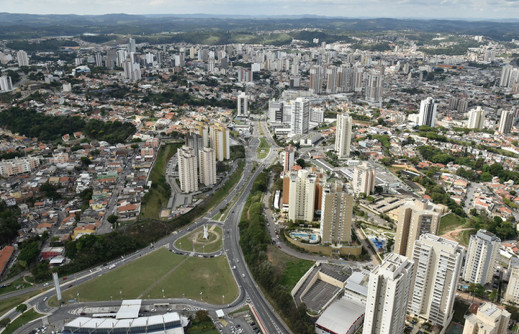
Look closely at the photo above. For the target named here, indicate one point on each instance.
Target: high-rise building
(427, 115)
(506, 121)
(374, 88)
(505, 75)
(414, 219)
(207, 166)
(359, 79)
(195, 142)
(187, 169)
(23, 59)
(476, 118)
(202, 129)
(288, 158)
(343, 135)
(437, 268)
(482, 255)
(131, 45)
(220, 141)
(300, 118)
(388, 295)
(364, 179)
(244, 74)
(243, 104)
(346, 79)
(6, 84)
(315, 79)
(512, 290)
(331, 80)
(489, 319)
(301, 201)
(336, 214)
(275, 111)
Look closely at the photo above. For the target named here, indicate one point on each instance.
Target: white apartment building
(343, 135)
(388, 295)
(243, 104)
(300, 118)
(482, 255)
(488, 320)
(220, 141)
(187, 169)
(437, 268)
(301, 196)
(364, 179)
(207, 166)
(336, 214)
(18, 166)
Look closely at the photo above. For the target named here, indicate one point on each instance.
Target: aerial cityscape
(335, 168)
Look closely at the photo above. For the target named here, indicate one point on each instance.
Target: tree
(301, 162)
(85, 161)
(112, 219)
(21, 308)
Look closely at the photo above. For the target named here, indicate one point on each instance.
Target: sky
(469, 9)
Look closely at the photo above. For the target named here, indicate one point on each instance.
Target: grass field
(17, 284)
(213, 244)
(28, 316)
(450, 222)
(158, 196)
(263, 148)
(162, 269)
(132, 279)
(291, 267)
(9, 303)
(211, 276)
(464, 237)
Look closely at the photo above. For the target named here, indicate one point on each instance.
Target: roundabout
(197, 243)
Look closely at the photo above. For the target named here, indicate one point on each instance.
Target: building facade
(336, 215)
(343, 135)
(302, 196)
(388, 295)
(207, 166)
(482, 255)
(187, 170)
(364, 179)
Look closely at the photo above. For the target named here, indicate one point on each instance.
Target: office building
(207, 166)
(243, 104)
(374, 88)
(336, 214)
(512, 290)
(427, 115)
(343, 135)
(476, 118)
(300, 118)
(220, 141)
(301, 198)
(437, 266)
(489, 319)
(23, 59)
(187, 169)
(275, 111)
(388, 295)
(414, 219)
(364, 179)
(506, 121)
(315, 79)
(482, 256)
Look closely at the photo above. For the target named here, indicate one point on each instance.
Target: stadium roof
(129, 309)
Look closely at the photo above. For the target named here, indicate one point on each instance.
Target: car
(70, 285)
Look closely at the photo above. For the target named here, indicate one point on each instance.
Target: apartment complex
(18, 166)
(488, 320)
(388, 295)
(343, 135)
(482, 255)
(364, 179)
(437, 268)
(302, 196)
(336, 214)
(187, 169)
(207, 166)
(414, 219)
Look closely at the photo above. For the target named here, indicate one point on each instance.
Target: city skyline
(437, 9)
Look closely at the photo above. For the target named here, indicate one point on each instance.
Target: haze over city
(446, 9)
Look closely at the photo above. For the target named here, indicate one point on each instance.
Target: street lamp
(121, 294)
(201, 297)
(163, 296)
(223, 299)
(78, 297)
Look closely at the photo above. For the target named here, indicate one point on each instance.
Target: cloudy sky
(479, 9)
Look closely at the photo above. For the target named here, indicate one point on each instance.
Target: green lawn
(291, 267)
(212, 276)
(7, 304)
(450, 222)
(263, 148)
(17, 284)
(28, 316)
(464, 237)
(147, 276)
(158, 196)
(132, 279)
(213, 244)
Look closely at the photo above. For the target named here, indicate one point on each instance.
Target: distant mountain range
(16, 26)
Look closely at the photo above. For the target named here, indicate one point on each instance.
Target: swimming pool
(308, 236)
